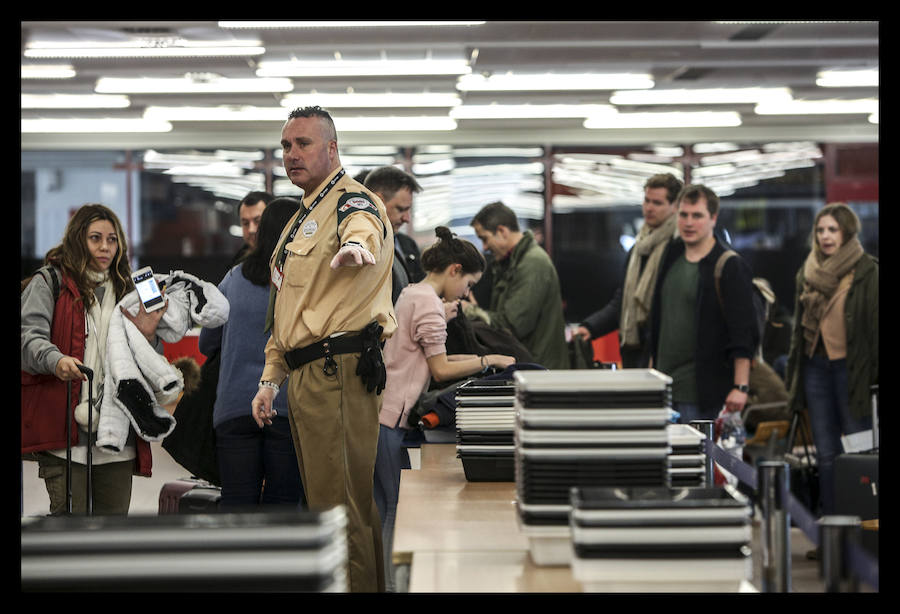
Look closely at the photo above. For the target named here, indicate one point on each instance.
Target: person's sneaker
(813, 555)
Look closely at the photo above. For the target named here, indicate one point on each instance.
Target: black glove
(371, 363)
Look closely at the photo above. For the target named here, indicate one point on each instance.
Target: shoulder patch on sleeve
(354, 202)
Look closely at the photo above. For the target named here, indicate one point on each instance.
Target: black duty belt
(344, 344)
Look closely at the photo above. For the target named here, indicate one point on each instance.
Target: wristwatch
(742, 388)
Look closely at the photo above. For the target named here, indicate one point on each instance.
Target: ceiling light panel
(361, 68)
(817, 107)
(698, 119)
(553, 81)
(215, 114)
(47, 71)
(341, 24)
(528, 111)
(74, 101)
(168, 47)
(848, 78)
(191, 84)
(380, 100)
(743, 95)
(93, 125)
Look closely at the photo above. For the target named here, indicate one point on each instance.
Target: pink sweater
(421, 333)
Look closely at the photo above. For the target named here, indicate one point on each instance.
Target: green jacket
(861, 319)
(526, 301)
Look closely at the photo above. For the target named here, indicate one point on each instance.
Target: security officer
(330, 309)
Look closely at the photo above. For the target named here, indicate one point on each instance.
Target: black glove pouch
(371, 362)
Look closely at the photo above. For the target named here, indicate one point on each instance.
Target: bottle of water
(733, 435)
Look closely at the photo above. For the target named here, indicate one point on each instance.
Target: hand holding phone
(148, 290)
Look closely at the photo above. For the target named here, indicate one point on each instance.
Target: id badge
(277, 277)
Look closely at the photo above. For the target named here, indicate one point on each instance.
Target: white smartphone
(147, 288)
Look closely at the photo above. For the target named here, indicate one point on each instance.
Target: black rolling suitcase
(856, 483)
(189, 496)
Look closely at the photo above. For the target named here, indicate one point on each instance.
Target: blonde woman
(833, 359)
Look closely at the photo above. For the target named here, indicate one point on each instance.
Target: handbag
(192, 443)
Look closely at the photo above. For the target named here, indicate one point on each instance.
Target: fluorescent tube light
(190, 84)
(390, 124)
(334, 101)
(47, 71)
(92, 125)
(700, 119)
(531, 111)
(136, 50)
(220, 113)
(701, 96)
(848, 78)
(361, 68)
(812, 107)
(74, 101)
(553, 81)
(341, 24)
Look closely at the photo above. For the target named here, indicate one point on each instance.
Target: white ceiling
(676, 55)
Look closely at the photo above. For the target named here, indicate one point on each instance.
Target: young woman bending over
(415, 354)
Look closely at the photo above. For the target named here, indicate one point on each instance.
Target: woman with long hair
(833, 360)
(257, 466)
(66, 311)
(415, 354)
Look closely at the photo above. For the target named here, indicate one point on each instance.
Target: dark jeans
(391, 459)
(258, 466)
(825, 383)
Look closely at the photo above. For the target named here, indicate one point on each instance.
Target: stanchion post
(875, 426)
(774, 488)
(707, 427)
(836, 533)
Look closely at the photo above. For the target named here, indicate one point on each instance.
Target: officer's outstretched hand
(352, 254)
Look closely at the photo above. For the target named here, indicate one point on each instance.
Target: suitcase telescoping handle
(90, 498)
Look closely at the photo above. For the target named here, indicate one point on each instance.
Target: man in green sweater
(525, 297)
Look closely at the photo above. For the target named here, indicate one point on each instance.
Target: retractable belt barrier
(861, 562)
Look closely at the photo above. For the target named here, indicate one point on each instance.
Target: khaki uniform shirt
(316, 301)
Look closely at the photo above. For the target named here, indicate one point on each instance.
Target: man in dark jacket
(396, 188)
(250, 211)
(629, 309)
(705, 347)
(525, 298)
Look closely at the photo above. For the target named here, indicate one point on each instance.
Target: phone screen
(147, 289)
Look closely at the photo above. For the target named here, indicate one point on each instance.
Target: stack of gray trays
(687, 459)
(224, 552)
(485, 421)
(661, 539)
(584, 428)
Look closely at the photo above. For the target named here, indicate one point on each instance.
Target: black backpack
(763, 298)
(48, 272)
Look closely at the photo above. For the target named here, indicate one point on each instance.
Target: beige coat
(316, 301)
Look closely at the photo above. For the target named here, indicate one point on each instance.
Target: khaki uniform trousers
(334, 423)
